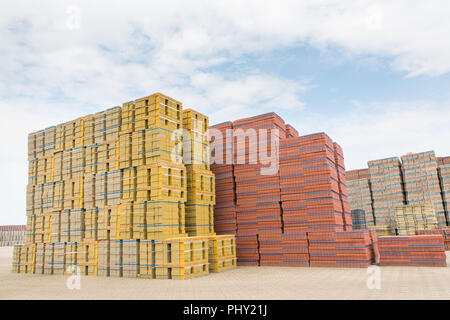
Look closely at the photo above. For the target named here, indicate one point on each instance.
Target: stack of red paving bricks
(278, 214)
(374, 246)
(284, 249)
(341, 249)
(418, 250)
(311, 194)
(257, 190)
(342, 182)
(444, 231)
(225, 208)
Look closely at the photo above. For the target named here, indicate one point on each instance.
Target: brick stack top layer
(357, 174)
(443, 160)
(445, 232)
(13, 228)
(291, 132)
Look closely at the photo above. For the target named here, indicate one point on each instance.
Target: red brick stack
(418, 250)
(445, 232)
(310, 192)
(341, 249)
(247, 250)
(340, 167)
(275, 213)
(258, 194)
(374, 247)
(295, 250)
(284, 250)
(271, 249)
(225, 208)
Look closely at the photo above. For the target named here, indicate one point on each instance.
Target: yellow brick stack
(383, 229)
(416, 216)
(110, 194)
(222, 253)
(200, 179)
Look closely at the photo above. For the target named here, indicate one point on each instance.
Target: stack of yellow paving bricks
(222, 253)
(416, 216)
(108, 194)
(200, 179)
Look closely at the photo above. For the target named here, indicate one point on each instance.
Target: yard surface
(242, 283)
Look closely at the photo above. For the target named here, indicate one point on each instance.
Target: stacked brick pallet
(341, 249)
(445, 232)
(422, 181)
(412, 217)
(360, 198)
(110, 194)
(311, 194)
(258, 193)
(200, 179)
(418, 250)
(12, 235)
(416, 179)
(222, 253)
(342, 180)
(284, 250)
(225, 219)
(444, 178)
(387, 188)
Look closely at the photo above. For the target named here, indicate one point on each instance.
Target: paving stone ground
(242, 283)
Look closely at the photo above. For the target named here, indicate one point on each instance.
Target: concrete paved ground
(242, 283)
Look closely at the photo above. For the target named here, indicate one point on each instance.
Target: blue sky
(374, 76)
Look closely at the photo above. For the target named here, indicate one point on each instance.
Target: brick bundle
(422, 181)
(360, 198)
(284, 249)
(444, 178)
(257, 193)
(445, 232)
(390, 185)
(313, 199)
(223, 168)
(387, 188)
(341, 249)
(415, 216)
(418, 250)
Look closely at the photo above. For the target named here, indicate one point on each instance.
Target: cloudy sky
(373, 75)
